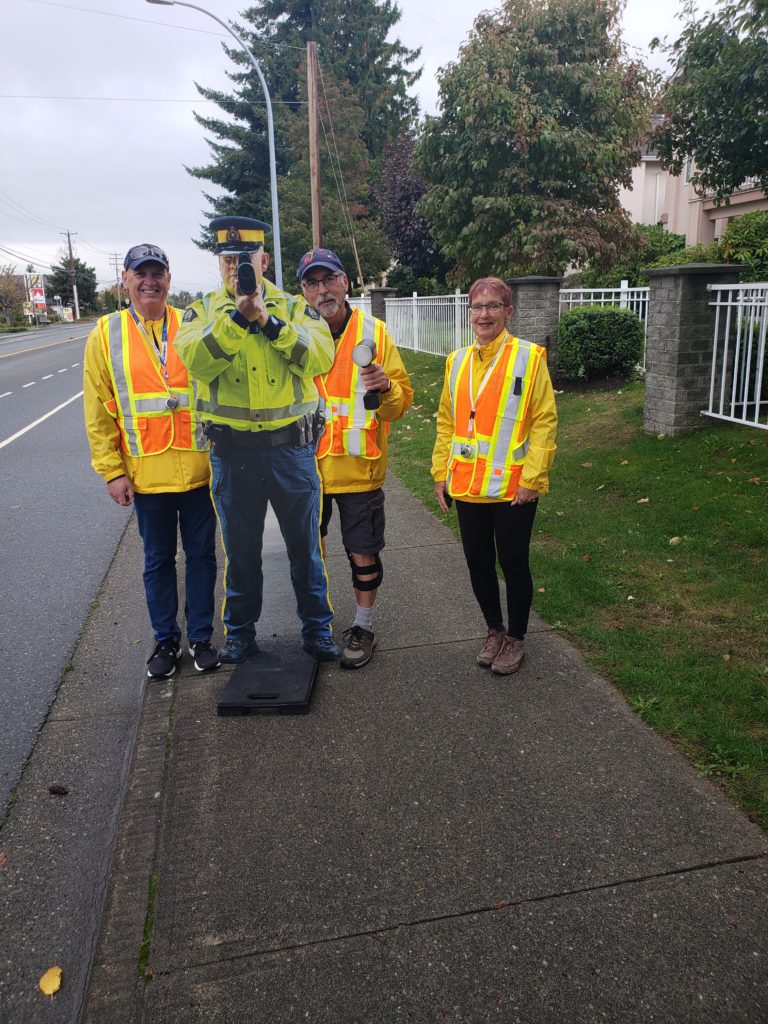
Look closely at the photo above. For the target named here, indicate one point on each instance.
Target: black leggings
(503, 529)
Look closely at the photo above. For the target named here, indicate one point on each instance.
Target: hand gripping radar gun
(362, 355)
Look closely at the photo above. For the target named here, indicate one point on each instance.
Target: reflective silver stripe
(369, 331)
(299, 351)
(115, 334)
(483, 447)
(511, 408)
(216, 351)
(519, 453)
(458, 361)
(234, 412)
(354, 445)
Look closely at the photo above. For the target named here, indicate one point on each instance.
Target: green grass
(149, 924)
(650, 555)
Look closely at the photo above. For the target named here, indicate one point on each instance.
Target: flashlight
(362, 355)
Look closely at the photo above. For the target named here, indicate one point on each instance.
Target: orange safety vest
(488, 448)
(148, 425)
(350, 428)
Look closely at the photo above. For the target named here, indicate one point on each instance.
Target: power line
(25, 258)
(10, 201)
(163, 24)
(140, 99)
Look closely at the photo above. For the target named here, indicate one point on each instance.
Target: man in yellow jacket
(366, 389)
(254, 352)
(142, 430)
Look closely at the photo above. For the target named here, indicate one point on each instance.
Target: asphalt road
(58, 531)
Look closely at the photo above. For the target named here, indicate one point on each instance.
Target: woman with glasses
(496, 427)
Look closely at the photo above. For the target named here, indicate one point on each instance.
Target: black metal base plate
(279, 678)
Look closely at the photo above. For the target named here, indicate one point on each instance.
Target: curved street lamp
(270, 128)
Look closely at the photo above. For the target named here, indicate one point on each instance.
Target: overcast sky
(96, 125)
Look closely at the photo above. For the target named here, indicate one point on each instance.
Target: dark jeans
(160, 518)
(499, 529)
(244, 481)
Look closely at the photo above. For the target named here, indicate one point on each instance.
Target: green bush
(745, 241)
(598, 341)
(698, 253)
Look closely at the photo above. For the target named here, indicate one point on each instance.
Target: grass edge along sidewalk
(649, 554)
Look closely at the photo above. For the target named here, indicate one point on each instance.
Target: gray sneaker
(358, 647)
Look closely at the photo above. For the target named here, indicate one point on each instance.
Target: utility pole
(73, 275)
(114, 259)
(314, 147)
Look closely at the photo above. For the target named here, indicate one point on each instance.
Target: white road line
(24, 430)
(74, 365)
(28, 385)
(62, 371)
(47, 376)
(5, 394)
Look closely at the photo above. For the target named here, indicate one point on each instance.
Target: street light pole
(270, 128)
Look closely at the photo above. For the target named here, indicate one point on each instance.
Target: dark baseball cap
(145, 253)
(319, 258)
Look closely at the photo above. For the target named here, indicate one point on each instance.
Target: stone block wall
(678, 349)
(536, 313)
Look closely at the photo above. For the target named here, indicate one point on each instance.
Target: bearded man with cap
(142, 430)
(254, 352)
(366, 389)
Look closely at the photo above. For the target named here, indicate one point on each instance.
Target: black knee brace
(376, 571)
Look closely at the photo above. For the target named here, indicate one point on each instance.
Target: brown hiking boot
(510, 657)
(491, 647)
(358, 647)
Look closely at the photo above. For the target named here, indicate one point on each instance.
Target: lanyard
(474, 400)
(162, 353)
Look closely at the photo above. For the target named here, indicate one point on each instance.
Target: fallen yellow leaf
(600, 487)
(50, 983)
(624, 462)
(675, 540)
(643, 501)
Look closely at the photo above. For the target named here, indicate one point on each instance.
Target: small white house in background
(658, 197)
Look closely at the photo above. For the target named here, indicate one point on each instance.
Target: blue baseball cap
(319, 258)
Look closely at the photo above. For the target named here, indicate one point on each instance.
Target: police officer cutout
(366, 389)
(142, 430)
(254, 352)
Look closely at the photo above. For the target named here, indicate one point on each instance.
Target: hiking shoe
(161, 663)
(358, 647)
(491, 647)
(322, 648)
(204, 655)
(237, 649)
(510, 657)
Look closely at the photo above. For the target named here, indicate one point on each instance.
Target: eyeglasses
(491, 307)
(139, 252)
(313, 285)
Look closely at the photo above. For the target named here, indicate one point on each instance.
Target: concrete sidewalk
(430, 843)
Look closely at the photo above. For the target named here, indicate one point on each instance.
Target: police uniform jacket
(246, 380)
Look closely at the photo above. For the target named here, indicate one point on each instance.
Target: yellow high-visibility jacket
(130, 430)
(535, 431)
(342, 390)
(244, 380)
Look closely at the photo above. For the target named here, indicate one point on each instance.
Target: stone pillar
(379, 297)
(536, 313)
(678, 344)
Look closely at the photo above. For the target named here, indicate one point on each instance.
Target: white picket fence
(738, 389)
(624, 297)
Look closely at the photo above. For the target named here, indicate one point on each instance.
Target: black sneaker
(204, 655)
(358, 647)
(162, 661)
(322, 648)
(237, 649)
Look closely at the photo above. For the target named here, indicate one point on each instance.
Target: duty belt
(223, 437)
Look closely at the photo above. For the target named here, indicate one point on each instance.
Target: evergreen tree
(59, 282)
(356, 60)
(542, 115)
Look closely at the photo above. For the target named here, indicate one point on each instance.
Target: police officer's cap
(237, 234)
(319, 258)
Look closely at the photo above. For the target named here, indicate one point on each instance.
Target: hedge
(598, 341)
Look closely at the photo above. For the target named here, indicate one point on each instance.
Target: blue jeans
(159, 516)
(243, 482)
